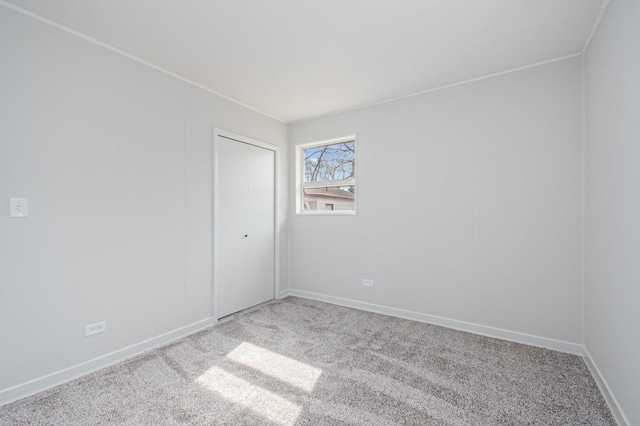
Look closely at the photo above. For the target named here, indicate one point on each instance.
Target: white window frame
(301, 185)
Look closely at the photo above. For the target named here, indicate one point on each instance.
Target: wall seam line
(186, 210)
(583, 203)
(473, 200)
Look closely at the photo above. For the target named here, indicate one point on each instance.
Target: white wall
(487, 224)
(612, 221)
(115, 159)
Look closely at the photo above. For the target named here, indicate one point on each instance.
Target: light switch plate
(18, 207)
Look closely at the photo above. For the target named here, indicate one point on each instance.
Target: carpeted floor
(302, 362)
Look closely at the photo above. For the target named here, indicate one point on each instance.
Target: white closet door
(245, 249)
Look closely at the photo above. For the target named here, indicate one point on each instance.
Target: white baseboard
(615, 408)
(514, 336)
(284, 293)
(62, 376)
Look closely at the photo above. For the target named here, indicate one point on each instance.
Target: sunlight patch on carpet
(262, 402)
(280, 367)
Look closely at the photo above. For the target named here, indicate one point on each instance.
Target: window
(327, 177)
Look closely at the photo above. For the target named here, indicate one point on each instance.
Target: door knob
(245, 235)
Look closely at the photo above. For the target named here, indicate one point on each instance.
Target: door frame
(221, 133)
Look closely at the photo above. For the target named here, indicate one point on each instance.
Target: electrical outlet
(99, 327)
(367, 283)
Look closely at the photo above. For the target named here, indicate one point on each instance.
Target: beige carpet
(296, 361)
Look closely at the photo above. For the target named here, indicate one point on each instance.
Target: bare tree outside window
(328, 181)
(330, 162)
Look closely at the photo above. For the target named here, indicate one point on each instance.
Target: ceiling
(297, 59)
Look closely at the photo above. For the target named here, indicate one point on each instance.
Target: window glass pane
(334, 198)
(330, 162)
